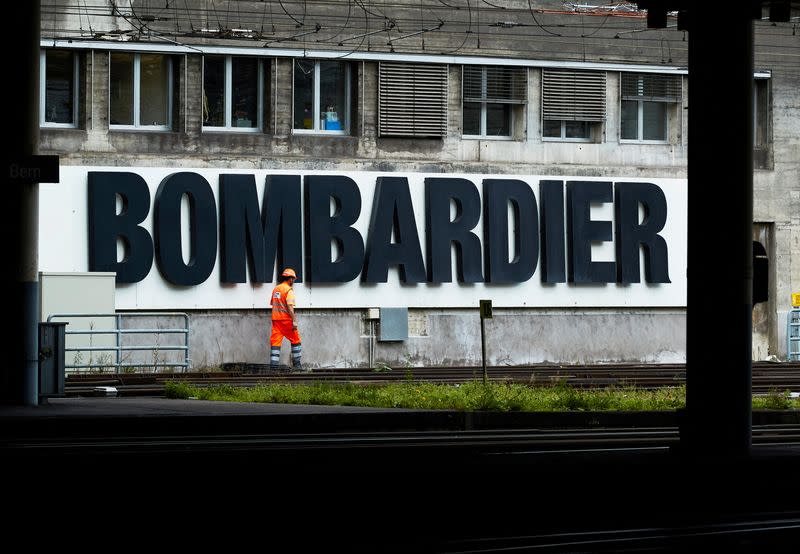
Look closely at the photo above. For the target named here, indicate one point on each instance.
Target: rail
(767, 377)
(118, 348)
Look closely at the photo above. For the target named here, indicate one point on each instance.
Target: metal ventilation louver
(573, 95)
(651, 87)
(499, 85)
(412, 100)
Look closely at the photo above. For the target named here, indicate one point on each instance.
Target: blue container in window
(331, 121)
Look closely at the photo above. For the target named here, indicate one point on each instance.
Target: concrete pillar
(19, 377)
(718, 403)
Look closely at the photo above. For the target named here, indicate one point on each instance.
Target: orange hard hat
(289, 272)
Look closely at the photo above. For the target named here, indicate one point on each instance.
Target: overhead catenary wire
(299, 23)
(530, 7)
(88, 19)
(346, 21)
(188, 16)
(519, 39)
(366, 25)
(466, 33)
(259, 14)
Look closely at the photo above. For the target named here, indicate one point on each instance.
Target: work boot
(300, 368)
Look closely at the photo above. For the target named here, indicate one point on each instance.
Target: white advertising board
(64, 247)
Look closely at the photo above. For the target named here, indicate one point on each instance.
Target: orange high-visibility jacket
(282, 298)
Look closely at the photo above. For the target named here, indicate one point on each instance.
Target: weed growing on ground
(423, 395)
(468, 396)
(774, 400)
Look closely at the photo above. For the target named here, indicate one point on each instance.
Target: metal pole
(186, 344)
(119, 339)
(483, 352)
(720, 228)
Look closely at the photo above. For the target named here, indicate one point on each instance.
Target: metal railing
(119, 363)
(793, 335)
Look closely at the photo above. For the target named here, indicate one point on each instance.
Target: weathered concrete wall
(449, 337)
(276, 147)
(340, 338)
(426, 27)
(776, 194)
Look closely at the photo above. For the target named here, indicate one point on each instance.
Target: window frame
(137, 86)
(640, 124)
(640, 116)
(577, 95)
(762, 90)
(345, 130)
(563, 136)
(228, 127)
(764, 121)
(485, 113)
(43, 91)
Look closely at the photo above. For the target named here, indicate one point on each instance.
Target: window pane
(472, 118)
(655, 121)
(214, 91)
(154, 96)
(761, 112)
(630, 120)
(59, 87)
(245, 92)
(121, 111)
(577, 129)
(551, 128)
(303, 94)
(332, 94)
(498, 120)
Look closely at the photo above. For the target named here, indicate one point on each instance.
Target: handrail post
(118, 318)
(186, 344)
(118, 332)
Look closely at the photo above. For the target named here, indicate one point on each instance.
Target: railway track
(483, 442)
(766, 377)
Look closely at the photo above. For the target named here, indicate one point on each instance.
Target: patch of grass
(775, 400)
(178, 390)
(474, 395)
(464, 397)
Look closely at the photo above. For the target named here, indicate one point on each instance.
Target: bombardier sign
(208, 238)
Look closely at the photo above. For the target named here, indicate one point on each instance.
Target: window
(321, 97)
(412, 100)
(761, 123)
(141, 91)
(646, 103)
(490, 95)
(573, 104)
(58, 104)
(232, 93)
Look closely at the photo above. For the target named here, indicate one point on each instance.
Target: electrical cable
(455, 26)
(530, 7)
(346, 21)
(299, 23)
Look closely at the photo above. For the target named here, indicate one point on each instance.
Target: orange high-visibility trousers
(283, 328)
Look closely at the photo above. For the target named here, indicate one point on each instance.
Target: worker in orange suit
(284, 321)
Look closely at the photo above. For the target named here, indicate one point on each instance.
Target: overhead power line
(486, 27)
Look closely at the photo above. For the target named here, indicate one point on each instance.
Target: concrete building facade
(535, 92)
